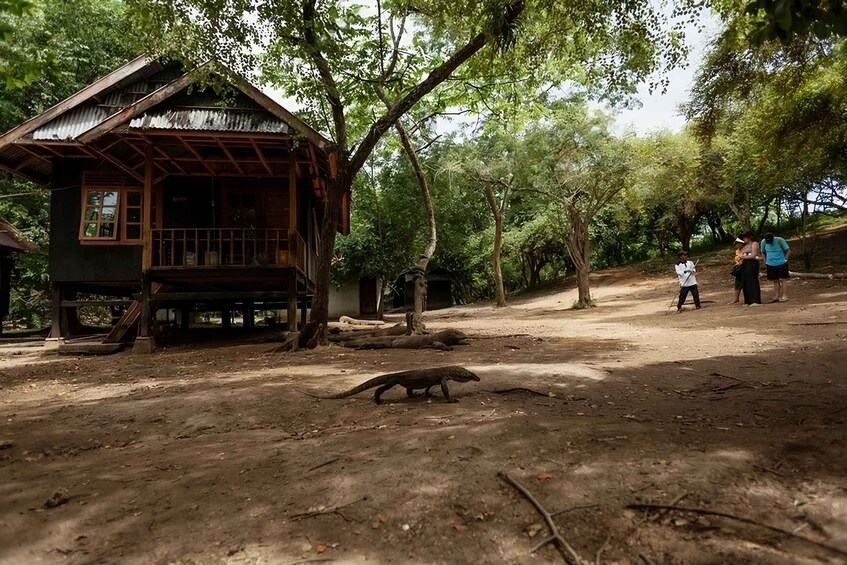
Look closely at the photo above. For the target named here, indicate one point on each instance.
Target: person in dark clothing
(750, 271)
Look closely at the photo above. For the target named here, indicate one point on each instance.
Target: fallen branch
(816, 323)
(818, 275)
(564, 547)
(521, 389)
(332, 510)
(707, 512)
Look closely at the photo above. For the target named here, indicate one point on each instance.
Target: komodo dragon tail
(371, 383)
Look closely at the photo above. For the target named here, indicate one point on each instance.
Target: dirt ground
(214, 455)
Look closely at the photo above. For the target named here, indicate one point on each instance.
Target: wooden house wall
(71, 261)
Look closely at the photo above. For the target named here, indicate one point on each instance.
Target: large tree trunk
(326, 248)
(497, 212)
(419, 280)
(579, 249)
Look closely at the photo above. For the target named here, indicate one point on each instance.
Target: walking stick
(683, 284)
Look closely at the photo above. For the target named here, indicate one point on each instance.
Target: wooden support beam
(35, 154)
(147, 212)
(196, 155)
(261, 157)
(292, 301)
(229, 156)
(107, 303)
(94, 152)
(292, 200)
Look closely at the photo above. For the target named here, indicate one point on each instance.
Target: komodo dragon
(416, 379)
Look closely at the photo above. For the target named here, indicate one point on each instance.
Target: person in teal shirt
(776, 252)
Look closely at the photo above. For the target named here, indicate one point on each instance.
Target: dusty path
(208, 455)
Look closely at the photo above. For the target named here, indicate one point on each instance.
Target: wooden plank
(75, 100)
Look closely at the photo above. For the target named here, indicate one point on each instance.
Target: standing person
(736, 268)
(685, 270)
(750, 270)
(776, 252)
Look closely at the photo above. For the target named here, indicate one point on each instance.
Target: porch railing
(228, 247)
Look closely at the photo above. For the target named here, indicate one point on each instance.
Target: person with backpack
(776, 252)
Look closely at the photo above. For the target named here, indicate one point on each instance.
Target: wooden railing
(228, 247)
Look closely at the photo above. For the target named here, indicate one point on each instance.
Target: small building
(170, 194)
(357, 298)
(11, 241)
(439, 290)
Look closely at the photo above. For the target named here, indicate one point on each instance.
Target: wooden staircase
(127, 326)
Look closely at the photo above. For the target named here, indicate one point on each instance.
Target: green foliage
(73, 44)
(784, 20)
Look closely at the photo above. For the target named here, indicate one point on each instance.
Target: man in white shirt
(687, 282)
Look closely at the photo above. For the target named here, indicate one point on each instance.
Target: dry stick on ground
(324, 464)
(706, 511)
(333, 510)
(598, 556)
(572, 508)
(521, 389)
(564, 547)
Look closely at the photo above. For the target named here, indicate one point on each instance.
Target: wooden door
(368, 289)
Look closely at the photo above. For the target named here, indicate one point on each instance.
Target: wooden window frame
(111, 183)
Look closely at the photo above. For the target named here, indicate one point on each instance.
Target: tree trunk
(498, 271)
(579, 249)
(419, 280)
(764, 217)
(686, 230)
(497, 212)
(326, 248)
(804, 238)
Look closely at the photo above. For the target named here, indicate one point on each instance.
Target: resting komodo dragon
(416, 379)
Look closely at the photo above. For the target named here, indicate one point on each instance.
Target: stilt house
(170, 194)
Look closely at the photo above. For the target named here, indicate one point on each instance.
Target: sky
(661, 111)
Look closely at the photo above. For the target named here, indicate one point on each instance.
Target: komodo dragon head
(462, 375)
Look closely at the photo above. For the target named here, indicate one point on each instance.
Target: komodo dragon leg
(445, 391)
(410, 392)
(382, 389)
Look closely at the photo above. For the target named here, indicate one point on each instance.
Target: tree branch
(311, 46)
(427, 85)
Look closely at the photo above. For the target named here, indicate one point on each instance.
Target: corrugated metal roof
(79, 120)
(205, 119)
(67, 126)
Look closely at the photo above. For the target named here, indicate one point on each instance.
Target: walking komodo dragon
(415, 379)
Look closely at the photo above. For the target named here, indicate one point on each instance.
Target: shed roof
(11, 238)
(144, 95)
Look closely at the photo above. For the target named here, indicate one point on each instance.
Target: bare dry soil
(212, 454)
